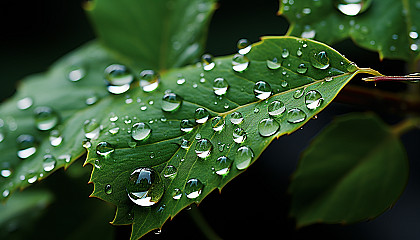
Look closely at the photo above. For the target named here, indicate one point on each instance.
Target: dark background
(34, 34)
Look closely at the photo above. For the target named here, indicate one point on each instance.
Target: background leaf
(391, 31)
(162, 148)
(157, 35)
(354, 170)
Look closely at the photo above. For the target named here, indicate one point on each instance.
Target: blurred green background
(36, 33)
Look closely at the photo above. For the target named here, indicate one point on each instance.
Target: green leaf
(156, 34)
(386, 26)
(354, 170)
(117, 155)
(71, 102)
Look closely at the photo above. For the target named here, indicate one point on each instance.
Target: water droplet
(193, 188)
(236, 118)
(26, 146)
(414, 47)
(185, 144)
(295, 115)
(181, 80)
(149, 80)
(186, 125)
(114, 130)
(273, 64)
(140, 131)
(5, 193)
(352, 67)
(313, 100)
(198, 136)
(49, 163)
(298, 93)
(176, 194)
(302, 68)
(32, 178)
(145, 187)
(218, 123)
(207, 62)
(171, 102)
(104, 149)
(55, 138)
(262, 90)
(285, 53)
(65, 157)
(201, 115)
(203, 148)
(276, 108)
(240, 63)
(299, 52)
(76, 73)
(113, 117)
(284, 83)
(352, 7)
(92, 129)
(91, 100)
(6, 172)
(308, 33)
(220, 86)
(24, 103)
(244, 156)
(239, 135)
(413, 35)
(320, 60)
(222, 166)
(118, 78)
(108, 189)
(244, 46)
(45, 118)
(268, 127)
(170, 171)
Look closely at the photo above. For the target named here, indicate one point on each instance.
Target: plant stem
(202, 224)
(405, 126)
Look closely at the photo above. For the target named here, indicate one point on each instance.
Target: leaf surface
(354, 170)
(385, 26)
(163, 148)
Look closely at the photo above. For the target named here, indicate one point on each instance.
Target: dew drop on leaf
(203, 148)
(352, 7)
(302, 68)
(91, 129)
(193, 188)
(218, 123)
(298, 93)
(320, 60)
(145, 187)
(295, 115)
(276, 108)
(186, 125)
(108, 189)
(220, 86)
(104, 149)
(76, 73)
(244, 46)
(240, 63)
(239, 135)
(149, 80)
(46, 118)
(26, 145)
(223, 165)
(285, 53)
(268, 127)
(236, 118)
(6, 172)
(201, 115)
(176, 194)
(313, 99)
(244, 156)
(118, 78)
(24, 103)
(140, 131)
(49, 163)
(170, 171)
(273, 64)
(171, 102)
(207, 62)
(55, 138)
(262, 90)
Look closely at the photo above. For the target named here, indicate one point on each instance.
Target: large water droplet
(262, 90)
(218, 123)
(220, 86)
(104, 149)
(55, 138)
(268, 127)
(236, 118)
(313, 100)
(49, 163)
(45, 118)
(203, 148)
(302, 68)
(92, 129)
(244, 156)
(149, 80)
(207, 62)
(273, 64)
(193, 188)
(201, 115)
(222, 166)
(26, 145)
(140, 131)
(239, 135)
(145, 187)
(186, 125)
(170, 171)
(352, 7)
(118, 78)
(320, 60)
(24, 103)
(244, 46)
(276, 108)
(240, 63)
(171, 102)
(295, 115)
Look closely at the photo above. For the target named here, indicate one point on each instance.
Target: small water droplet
(244, 156)
(302, 68)
(352, 7)
(414, 47)
(91, 100)
(45, 118)
(5, 193)
(113, 117)
(218, 123)
(298, 93)
(24, 103)
(295, 115)
(201, 115)
(104, 149)
(186, 125)
(239, 135)
(220, 86)
(171, 102)
(285, 53)
(55, 138)
(140, 131)
(222, 166)
(27, 146)
(92, 129)
(299, 52)
(313, 99)
(262, 90)
(181, 80)
(244, 46)
(198, 136)
(207, 62)
(284, 83)
(114, 130)
(176, 194)
(65, 157)
(118, 78)
(49, 163)
(276, 108)
(203, 148)
(308, 33)
(6, 172)
(273, 64)
(108, 189)
(170, 171)
(268, 127)
(32, 179)
(149, 80)
(320, 60)
(236, 118)
(145, 187)
(352, 67)
(240, 63)
(76, 73)
(193, 188)
(185, 144)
